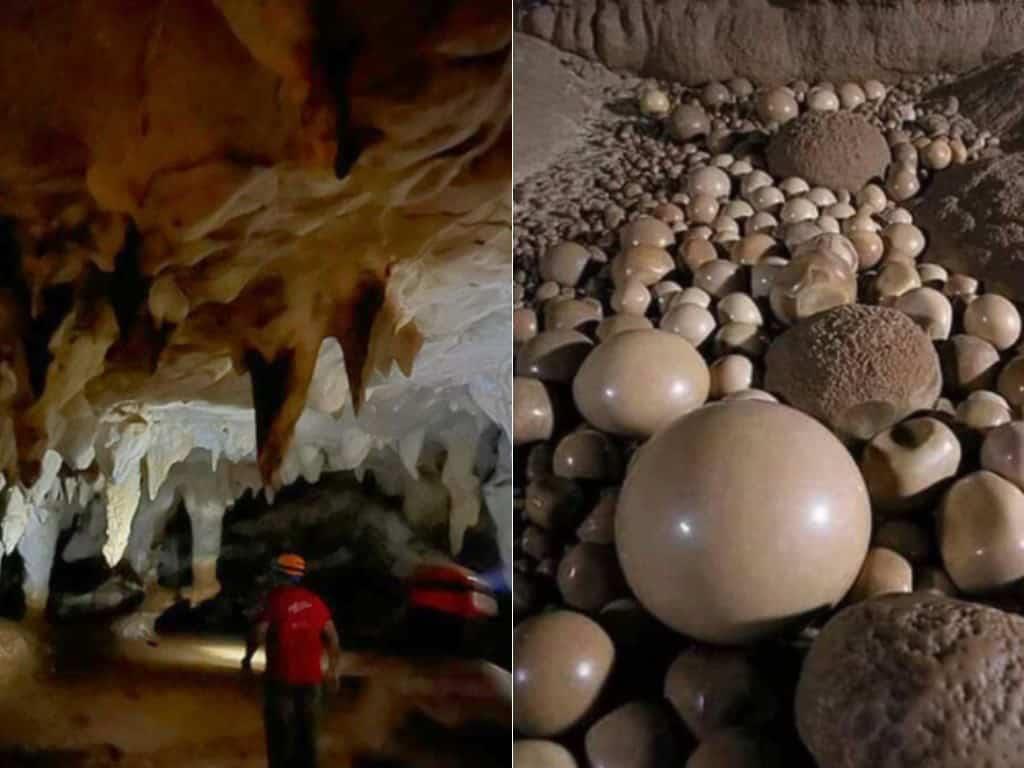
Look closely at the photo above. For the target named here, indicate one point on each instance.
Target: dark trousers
(291, 718)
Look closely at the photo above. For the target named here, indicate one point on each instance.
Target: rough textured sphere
(915, 680)
(740, 518)
(636, 382)
(562, 661)
(838, 150)
(858, 368)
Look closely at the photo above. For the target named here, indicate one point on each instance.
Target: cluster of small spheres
(759, 402)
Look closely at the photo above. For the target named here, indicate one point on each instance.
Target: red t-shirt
(294, 646)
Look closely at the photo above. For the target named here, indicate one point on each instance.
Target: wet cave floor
(104, 703)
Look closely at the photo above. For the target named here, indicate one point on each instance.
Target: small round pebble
(884, 572)
(993, 318)
(654, 102)
(730, 374)
(968, 363)
(561, 664)
(776, 105)
(564, 263)
(689, 320)
(688, 121)
(538, 753)
(980, 532)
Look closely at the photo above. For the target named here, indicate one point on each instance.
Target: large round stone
(739, 519)
(838, 150)
(858, 368)
(562, 661)
(915, 680)
(635, 383)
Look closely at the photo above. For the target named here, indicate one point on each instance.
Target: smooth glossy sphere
(688, 121)
(739, 519)
(874, 90)
(798, 209)
(960, 286)
(619, 324)
(906, 464)
(894, 279)
(968, 363)
(637, 382)
(646, 230)
(708, 181)
(903, 240)
(981, 532)
(587, 454)
(693, 295)
(533, 417)
(763, 274)
(929, 309)
(1011, 382)
(730, 374)
(654, 102)
(983, 410)
(645, 263)
(524, 325)
(822, 100)
(851, 95)
(562, 660)
(873, 197)
(695, 252)
(553, 355)
(751, 249)
(993, 318)
(884, 573)
(691, 321)
(636, 735)
(669, 213)
(938, 154)
(1003, 452)
(902, 183)
(598, 527)
(702, 208)
(632, 297)
(870, 248)
(776, 105)
(574, 314)
(714, 688)
(715, 94)
(538, 753)
(746, 338)
(727, 748)
(719, 277)
(564, 263)
(589, 577)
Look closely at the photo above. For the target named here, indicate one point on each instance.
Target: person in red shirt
(296, 627)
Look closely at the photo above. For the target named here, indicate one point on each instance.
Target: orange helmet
(290, 565)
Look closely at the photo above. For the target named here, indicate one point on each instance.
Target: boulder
(838, 150)
(913, 680)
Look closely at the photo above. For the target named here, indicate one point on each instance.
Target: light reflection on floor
(183, 703)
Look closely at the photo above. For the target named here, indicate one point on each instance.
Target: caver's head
(290, 567)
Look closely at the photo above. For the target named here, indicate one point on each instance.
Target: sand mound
(974, 218)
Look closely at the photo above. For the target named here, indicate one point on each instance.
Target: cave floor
(113, 712)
